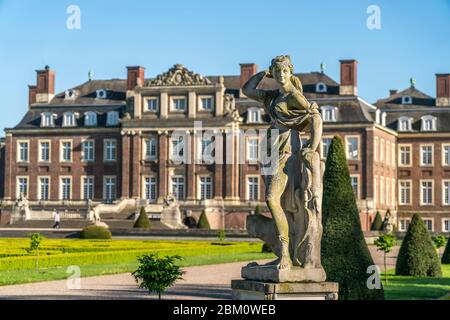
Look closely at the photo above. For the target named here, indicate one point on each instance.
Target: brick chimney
(443, 90)
(45, 88)
(135, 77)
(349, 78)
(31, 95)
(247, 70)
(392, 92)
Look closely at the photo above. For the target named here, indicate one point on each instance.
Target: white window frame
(152, 182)
(112, 118)
(382, 150)
(388, 191)
(146, 104)
(422, 189)
(376, 193)
(203, 187)
(61, 150)
(432, 223)
(201, 107)
(358, 185)
(328, 113)
(254, 115)
(424, 121)
(422, 164)
(376, 147)
(101, 94)
(83, 187)
(61, 192)
(443, 220)
(247, 187)
(358, 138)
(407, 100)
(105, 150)
(18, 178)
(443, 146)
(182, 177)
(321, 87)
(444, 181)
(249, 150)
(407, 223)
(382, 191)
(322, 153)
(48, 119)
(408, 122)
(39, 187)
(184, 147)
(393, 192)
(70, 119)
(400, 188)
(388, 152)
(19, 151)
(49, 151)
(105, 188)
(172, 103)
(393, 155)
(409, 146)
(83, 158)
(90, 119)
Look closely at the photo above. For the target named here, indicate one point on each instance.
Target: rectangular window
(66, 188)
(152, 104)
(150, 149)
(208, 150)
(382, 150)
(205, 188)
(22, 187)
(66, 150)
(23, 151)
(426, 155)
(388, 191)
(88, 188)
(405, 155)
(393, 154)
(355, 185)
(179, 104)
(177, 148)
(376, 148)
(253, 188)
(150, 188)
(87, 150)
(388, 152)
(178, 187)
(110, 148)
(382, 191)
(326, 142)
(252, 149)
(206, 103)
(352, 148)
(446, 154)
(393, 192)
(426, 192)
(428, 223)
(375, 190)
(403, 225)
(44, 188)
(404, 192)
(446, 192)
(44, 151)
(109, 188)
(446, 225)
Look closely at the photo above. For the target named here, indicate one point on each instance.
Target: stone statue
(294, 187)
(171, 214)
(22, 206)
(387, 223)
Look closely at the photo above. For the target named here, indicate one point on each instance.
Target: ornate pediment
(179, 75)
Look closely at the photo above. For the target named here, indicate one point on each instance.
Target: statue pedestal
(271, 274)
(260, 290)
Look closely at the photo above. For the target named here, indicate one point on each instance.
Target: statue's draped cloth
(301, 198)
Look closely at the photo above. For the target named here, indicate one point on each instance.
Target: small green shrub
(203, 222)
(377, 223)
(35, 243)
(266, 248)
(385, 243)
(257, 209)
(157, 274)
(142, 221)
(439, 241)
(221, 235)
(95, 232)
(446, 255)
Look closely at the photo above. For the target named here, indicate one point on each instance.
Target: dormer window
(321, 87)
(378, 116)
(383, 119)
(47, 119)
(100, 94)
(206, 103)
(70, 94)
(428, 123)
(112, 118)
(329, 113)
(406, 100)
(90, 119)
(69, 119)
(254, 115)
(404, 124)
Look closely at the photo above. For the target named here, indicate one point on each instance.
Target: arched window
(428, 123)
(321, 87)
(254, 115)
(90, 119)
(47, 119)
(404, 124)
(378, 116)
(328, 113)
(112, 118)
(383, 119)
(69, 119)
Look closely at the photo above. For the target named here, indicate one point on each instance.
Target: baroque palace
(106, 141)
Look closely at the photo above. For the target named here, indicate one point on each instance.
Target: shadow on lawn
(416, 288)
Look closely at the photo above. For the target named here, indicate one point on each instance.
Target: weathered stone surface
(258, 290)
(271, 273)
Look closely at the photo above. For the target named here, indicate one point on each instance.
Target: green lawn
(401, 287)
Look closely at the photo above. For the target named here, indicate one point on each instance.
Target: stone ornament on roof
(179, 75)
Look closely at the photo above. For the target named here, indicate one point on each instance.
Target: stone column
(192, 104)
(219, 102)
(232, 165)
(162, 166)
(8, 195)
(126, 154)
(135, 168)
(164, 105)
(218, 170)
(191, 185)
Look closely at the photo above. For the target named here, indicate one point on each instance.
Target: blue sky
(213, 37)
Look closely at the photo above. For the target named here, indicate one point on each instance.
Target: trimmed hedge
(95, 232)
(203, 222)
(345, 255)
(417, 255)
(377, 223)
(446, 255)
(142, 221)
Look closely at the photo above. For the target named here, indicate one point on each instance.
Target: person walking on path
(57, 218)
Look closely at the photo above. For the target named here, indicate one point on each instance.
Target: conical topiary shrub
(142, 221)
(446, 255)
(377, 223)
(203, 222)
(417, 256)
(345, 255)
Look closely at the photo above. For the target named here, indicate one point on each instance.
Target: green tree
(377, 222)
(385, 243)
(345, 255)
(203, 222)
(157, 274)
(439, 242)
(35, 243)
(142, 221)
(221, 235)
(417, 256)
(446, 255)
